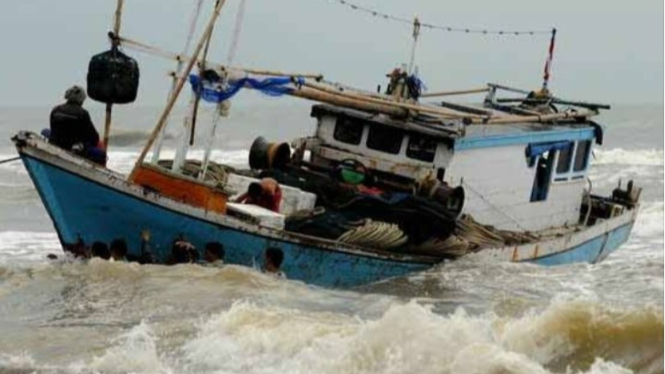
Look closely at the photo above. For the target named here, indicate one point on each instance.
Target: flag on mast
(548, 63)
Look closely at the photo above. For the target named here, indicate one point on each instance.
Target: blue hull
(592, 251)
(82, 207)
(94, 204)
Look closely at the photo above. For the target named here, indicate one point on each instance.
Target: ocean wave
(620, 156)
(132, 352)
(571, 334)
(650, 220)
(27, 247)
(577, 336)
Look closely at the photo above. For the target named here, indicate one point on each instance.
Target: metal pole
(416, 33)
(109, 106)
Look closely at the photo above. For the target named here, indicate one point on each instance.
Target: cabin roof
(477, 135)
(422, 124)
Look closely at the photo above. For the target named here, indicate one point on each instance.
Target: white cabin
(522, 177)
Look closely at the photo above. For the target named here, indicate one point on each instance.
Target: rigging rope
(375, 234)
(240, 17)
(513, 220)
(376, 13)
(193, 21)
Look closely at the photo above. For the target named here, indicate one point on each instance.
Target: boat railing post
(183, 147)
(211, 141)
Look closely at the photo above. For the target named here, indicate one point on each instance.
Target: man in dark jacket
(72, 128)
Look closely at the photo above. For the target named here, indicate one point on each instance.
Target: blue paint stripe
(474, 142)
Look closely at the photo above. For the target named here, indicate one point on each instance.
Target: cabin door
(541, 182)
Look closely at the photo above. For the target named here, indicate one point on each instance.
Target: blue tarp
(217, 92)
(538, 149)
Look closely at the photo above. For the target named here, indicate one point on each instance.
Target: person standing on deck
(73, 130)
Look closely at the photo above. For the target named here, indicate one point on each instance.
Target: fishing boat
(385, 186)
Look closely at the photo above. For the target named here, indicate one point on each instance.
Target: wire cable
(445, 28)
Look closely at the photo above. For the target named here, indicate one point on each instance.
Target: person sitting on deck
(266, 194)
(118, 250)
(214, 254)
(71, 128)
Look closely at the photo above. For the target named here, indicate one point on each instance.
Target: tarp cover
(538, 149)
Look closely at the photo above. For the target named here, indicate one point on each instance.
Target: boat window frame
(586, 156)
(572, 174)
(559, 154)
(379, 147)
(341, 121)
(425, 138)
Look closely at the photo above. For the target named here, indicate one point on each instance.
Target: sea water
(469, 316)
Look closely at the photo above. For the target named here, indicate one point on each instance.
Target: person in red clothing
(266, 194)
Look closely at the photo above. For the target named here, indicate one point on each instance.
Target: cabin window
(541, 182)
(348, 131)
(582, 155)
(564, 161)
(421, 147)
(385, 139)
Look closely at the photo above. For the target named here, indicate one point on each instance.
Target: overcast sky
(607, 50)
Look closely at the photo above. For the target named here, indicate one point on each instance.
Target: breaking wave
(650, 221)
(568, 336)
(31, 247)
(620, 156)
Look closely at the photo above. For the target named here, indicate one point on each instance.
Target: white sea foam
(132, 352)
(620, 156)
(408, 338)
(23, 246)
(650, 221)
(572, 335)
(123, 161)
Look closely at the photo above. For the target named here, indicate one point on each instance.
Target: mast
(187, 138)
(178, 89)
(109, 106)
(416, 33)
(180, 64)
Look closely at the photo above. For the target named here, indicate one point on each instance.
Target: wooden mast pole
(181, 83)
(109, 106)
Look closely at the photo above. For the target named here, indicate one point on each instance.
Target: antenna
(416, 34)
